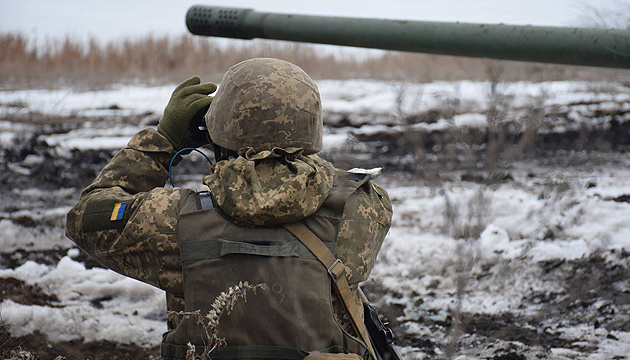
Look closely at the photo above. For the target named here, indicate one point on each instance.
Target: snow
(7, 138)
(366, 102)
(519, 226)
(132, 312)
(73, 253)
(332, 142)
(93, 139)
(419, 249)
(363, 97)
(14, 237)
(568, 250)
(102, 142)
(80, 323)
(471, 120)
(66, 101)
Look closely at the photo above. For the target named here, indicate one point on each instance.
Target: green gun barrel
(574, 46)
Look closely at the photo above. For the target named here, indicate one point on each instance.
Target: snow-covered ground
(432, 272)
(366, 97)
(536, 266)
(351, 108)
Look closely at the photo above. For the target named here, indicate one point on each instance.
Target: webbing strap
(336, 269)
(216, 248)
(174, 351)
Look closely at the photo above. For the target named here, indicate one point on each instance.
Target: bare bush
(465, 220)
(407, 102)
(508, 134)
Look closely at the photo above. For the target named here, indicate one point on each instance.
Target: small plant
(223, 304)
(406, 103)
(465, 221)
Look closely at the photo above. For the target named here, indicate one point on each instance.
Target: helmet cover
(266, 103)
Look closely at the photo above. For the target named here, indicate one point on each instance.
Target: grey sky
(112, 19)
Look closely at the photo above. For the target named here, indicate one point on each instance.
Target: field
(510, 237)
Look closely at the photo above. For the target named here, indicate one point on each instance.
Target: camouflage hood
(270, 187)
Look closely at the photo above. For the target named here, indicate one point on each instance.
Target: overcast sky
(113, 19)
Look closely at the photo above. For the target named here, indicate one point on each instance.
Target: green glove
(181, 120)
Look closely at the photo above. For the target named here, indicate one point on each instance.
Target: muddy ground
(591, 291)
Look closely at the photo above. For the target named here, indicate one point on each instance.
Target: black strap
(173, 351)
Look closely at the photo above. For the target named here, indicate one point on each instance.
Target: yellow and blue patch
(117, 213)
(106, 214)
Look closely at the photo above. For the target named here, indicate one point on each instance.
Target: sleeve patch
(105, 214)
(117, 213)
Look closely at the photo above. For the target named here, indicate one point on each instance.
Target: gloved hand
(184, 114)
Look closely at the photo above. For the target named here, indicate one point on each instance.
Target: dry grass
(222, 304)
(19, 354)
(464, 220)
(151, 60)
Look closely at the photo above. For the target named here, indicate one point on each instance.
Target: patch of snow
(14, 237)
(92, 139)
(80, 323)
(559, 249)
(332, 142)
(494, 239)
(68, 101)
(7, 138)
(32, 160)
(105, 143)
(19, 169)
(73, 253)
(471, 120)
(441, 124)
(128, 311)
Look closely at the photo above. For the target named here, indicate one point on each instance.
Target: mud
(587, 294)
(17, 258)
(508, 327)
(458, 148)
(587, 289)
(21, 293)
(39, 346)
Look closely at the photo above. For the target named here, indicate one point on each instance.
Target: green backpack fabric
(292, 316)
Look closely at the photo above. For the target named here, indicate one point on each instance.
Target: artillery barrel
(574, 46)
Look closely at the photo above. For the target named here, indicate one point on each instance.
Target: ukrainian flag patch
(118, 211)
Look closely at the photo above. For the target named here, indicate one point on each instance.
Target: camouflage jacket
(139, 239)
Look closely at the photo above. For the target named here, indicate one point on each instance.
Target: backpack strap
(337, 271)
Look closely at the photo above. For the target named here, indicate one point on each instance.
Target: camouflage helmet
(266, 103)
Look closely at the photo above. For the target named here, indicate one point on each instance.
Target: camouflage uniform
(143, 245)
(141, 240)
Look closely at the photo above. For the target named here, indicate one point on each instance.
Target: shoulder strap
(337, 271)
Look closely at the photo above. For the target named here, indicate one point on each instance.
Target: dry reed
(158, 60)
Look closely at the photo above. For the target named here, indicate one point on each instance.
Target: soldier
(276, 214)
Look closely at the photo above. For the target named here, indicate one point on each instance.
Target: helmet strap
(223, 154)
(219, 152)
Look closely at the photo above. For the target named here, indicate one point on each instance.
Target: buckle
(332, 274)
